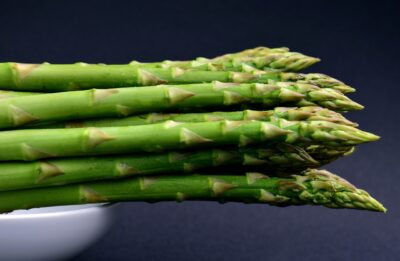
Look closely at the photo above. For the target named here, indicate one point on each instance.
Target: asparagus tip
(348, 89)
(325, 184)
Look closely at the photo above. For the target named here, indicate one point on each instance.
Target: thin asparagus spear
(308, 113)
(314, 187)
(289, 158)
(318, 79)
(265, 59)
(256, 59)
(257, 51)
(282, 158)
(327, 154)
(98, 103)
(284, 165)
(47, 143)
(68, 77)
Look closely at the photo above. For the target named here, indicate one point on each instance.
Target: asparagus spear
(266, 59)
(98, 103)
(308, 113)
(248, 61)
(67, 77)
(12, 94)
(321, 153)
(228, 60)
(46, 143)
(318, 79)
(257, 51)
(314, 187)
(251, 60)
(281, 158)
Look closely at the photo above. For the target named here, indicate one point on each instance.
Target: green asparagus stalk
(280, 158)
(327, 154)
(314, 187)
(12, 94)
(265, 59)
(218, 62)
(308, 113)
(257, 51)
(35, 144)
(318, 79)
(278, 59)
(284, 164)
(68, 77)
(99, 103)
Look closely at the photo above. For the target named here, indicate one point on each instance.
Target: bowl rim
(55, 211)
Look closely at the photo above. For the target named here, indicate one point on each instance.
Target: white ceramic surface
(53, 233)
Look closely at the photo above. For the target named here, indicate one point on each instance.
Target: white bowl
(52, 233)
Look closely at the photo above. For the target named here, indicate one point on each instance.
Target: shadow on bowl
(53, 233)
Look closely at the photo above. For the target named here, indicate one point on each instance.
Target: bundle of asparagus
(241, 127)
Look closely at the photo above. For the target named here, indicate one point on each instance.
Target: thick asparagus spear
(280, 158)
(12, 94)
(98, 103)
(308, 113)
(46, 143)
(58, 77)
(314, 187)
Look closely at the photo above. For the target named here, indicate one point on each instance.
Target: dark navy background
(358, 42)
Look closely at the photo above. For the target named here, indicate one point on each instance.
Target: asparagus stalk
(218, 62)
(12, 94)
(308, 113)
(266, 59)
(278, 59)
(314, 187)
(257, 51)
(320, 153)
(98, 103)
(46, 143)
(327, 154)
(68, 77)
(318, 79)
(280, 158)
